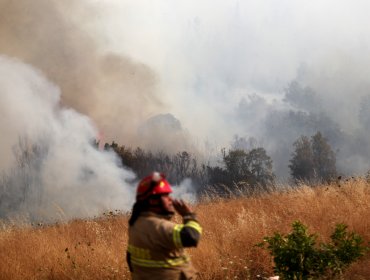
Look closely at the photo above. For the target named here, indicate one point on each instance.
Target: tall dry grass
(95, 249)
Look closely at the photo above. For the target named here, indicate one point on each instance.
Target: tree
(181, 163)
(323, 158)
(312, 159)
(301, 164)
(260, 165)
(236, 163)
(177, 167)
(253, 167)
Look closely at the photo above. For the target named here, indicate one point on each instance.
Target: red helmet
(153, 184)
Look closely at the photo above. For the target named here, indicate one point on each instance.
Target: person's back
(156, 245)
(154, 253)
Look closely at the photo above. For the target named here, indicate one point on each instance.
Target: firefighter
(155, 244)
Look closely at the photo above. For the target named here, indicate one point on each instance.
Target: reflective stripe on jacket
(156, 247)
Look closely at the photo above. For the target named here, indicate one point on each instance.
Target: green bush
(298, 257)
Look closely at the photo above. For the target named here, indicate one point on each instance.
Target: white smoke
(50, 169)
(212, 56)
(218, 67)
(185, 191)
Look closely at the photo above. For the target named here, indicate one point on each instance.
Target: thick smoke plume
(174, 75)
(118, 93)
(50, 168)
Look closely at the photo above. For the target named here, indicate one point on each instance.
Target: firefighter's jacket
(156, 247)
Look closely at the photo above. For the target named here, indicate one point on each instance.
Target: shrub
(297, 256)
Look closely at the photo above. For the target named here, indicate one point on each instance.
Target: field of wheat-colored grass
(95, 249)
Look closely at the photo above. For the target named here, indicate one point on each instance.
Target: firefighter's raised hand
(181, 207)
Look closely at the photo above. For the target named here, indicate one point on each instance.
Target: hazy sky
(219, 67)
(171, 75)
(209, 54)
(213, 58)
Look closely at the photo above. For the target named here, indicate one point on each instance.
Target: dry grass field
(95, 249)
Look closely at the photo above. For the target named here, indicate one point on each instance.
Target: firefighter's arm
(188, 234)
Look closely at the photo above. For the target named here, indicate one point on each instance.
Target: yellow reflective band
(194, 225)
(166, 263)
(178, 261)
(139, 252)
(176, 235)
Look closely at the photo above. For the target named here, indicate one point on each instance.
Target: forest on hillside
(312, 162)
(239, 171)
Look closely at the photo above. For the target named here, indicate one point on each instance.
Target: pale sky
(174, 75)
(209, 54)
(204, 62)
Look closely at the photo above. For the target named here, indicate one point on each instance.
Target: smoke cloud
(50, 168)
(186, 75)
(272, 71)
(117, 92)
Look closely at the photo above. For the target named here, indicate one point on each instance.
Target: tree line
(312, 161)
(242, 169)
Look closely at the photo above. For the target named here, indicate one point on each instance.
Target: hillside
(95, 249)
